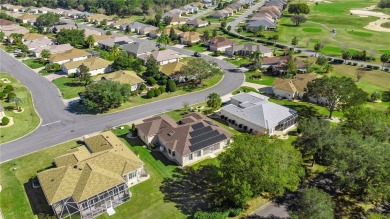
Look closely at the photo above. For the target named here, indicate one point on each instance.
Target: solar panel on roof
(208, 142)
(200, 131)
(197, 126)
(203, 137)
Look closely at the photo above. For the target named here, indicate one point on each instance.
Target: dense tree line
(110, 7)
(384, 4)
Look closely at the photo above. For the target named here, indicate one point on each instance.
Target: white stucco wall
(283, 94)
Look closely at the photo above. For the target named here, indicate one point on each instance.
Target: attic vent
(171, 133)
(52, 180)
(75, 166)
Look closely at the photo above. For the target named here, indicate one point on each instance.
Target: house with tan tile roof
(110, 42)
(219, 44)
(292, 88)
(171, 69)
(6, 22)
(178, 21)
(69, 56)
(120, 22)
(123, 77)
(197, 23)
(27, 18)
(14, 28)
(38, 43)
(146, 29)
(98, 38)
(32, 36)
(187, 38)
(92, 179)
(157, 33)
(58, 28)
(95, 65)
(193, 138)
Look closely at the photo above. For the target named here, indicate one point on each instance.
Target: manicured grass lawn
(44, 72)
(358, 33)
(69, 87)
(238, 61)
(142, 100)
(245, 89)
(375, 80)
(24, 122)
(311, 30)
(265, 80)
(386, 51)
(14, 202)
(197, 48)
(147, 200)
(33, 63)
(298, 105)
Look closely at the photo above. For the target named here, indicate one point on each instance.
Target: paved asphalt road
(242, 17)
(59, 125)
(271, 210)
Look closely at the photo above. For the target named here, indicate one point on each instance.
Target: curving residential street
(59, 125)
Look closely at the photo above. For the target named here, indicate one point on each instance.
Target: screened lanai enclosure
(93, 206)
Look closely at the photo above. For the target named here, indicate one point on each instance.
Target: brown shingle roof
(293, 85)
(220, 42)
(6, 22)
(190, 36)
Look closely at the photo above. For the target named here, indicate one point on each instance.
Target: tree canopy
(313, 203)
(214, 101)
(105, 95)
(48, 20)
(298, 8)
(298, 19)
(200, 69)
(255, 164)
(336, 93)
(74, 37)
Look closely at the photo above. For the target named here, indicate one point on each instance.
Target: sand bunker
(375, 25)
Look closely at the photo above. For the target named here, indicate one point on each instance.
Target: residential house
(292, 88)
(171, 69)
(135, 26)
(192, 139)
(69, 56)
(174, 13)
(96, 18)
(123, 77)
(32, 36)
(27, 18)
(188, 38)
(199, 5)
(14, 8)
(178, 21)
(72, 13)
(219, 44)
(229, 11)
(277, 64)
(13, 14)
(235, 7)
(263, 23)
(58, 28)
(167, 31)
(59, 11)
(54, 49)
(146, 29)
(162, 57)
(6, 22)
(254, 113)
(33, 10)
(220, 14)
(120, 23)
(110, 42)
(6, 7)
(189, 9)
(89, 32)
(98, 38)
(197, 23)
(93, 179)
(139, 48)
(38, 43)
(247, 49)
(208, 3)
(95, 65)
(44, 10)
(13, 28)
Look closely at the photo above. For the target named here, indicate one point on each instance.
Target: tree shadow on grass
(157, 155)
(304, 111)
(192, 190)
(74, 84)
(289, 25)
(37, 200)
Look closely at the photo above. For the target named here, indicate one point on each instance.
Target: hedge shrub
(151, 80)
(157, 92)
(150, 93)
(210, 215)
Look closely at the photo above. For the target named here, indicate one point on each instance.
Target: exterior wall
(93, 73)
(205, 152)
(254, 127)
(222, 49)
(70, 60)
(283, 94)
(168, 61)
(133, 178)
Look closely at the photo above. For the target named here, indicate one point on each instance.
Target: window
(190, 157)
(132, 175)
(199, 153)
(173, 153)
(169, 151)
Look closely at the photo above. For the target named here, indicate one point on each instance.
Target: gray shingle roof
(139, 48)
(255, 109)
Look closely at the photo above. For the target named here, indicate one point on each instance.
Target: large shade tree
(199, 69)
(313, 203)
(336, 93)
(256, 164)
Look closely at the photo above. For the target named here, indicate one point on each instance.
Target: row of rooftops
(267, 15)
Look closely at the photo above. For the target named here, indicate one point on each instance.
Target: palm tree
(163, 39)
(45, 54)
(256, 57)
(17, 101)
(214, 101)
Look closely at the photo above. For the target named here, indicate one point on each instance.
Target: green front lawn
(197, 48)
(15, 174)
(24, 122)
(265, 80)
(33, 63)
(69, 87)
(245, 89)
(238, 61)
